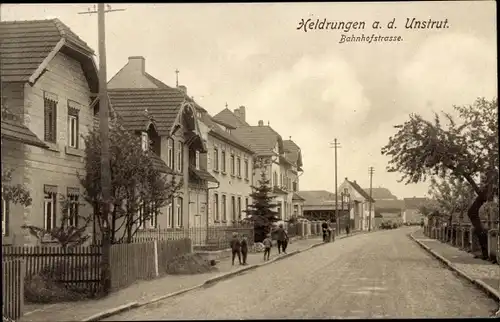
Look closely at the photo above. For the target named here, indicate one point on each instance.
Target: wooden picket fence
(77, 267)
(13, 288)
(143, 261)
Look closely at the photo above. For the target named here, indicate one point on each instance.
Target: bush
(46, 285)
(189, 264)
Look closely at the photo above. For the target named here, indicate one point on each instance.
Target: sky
(307, 85)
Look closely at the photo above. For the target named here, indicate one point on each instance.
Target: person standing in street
(235, 245)
(324, 226)
(267, 247)
(244, 249)
(347, 229)
(281, 236)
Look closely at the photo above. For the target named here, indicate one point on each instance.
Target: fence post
(156, 257)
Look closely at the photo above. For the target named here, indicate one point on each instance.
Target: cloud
(448, 70)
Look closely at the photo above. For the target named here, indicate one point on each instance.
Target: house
(166, 118)
(279, 168)
(294, 154)
(411, 212)
(231, 162)
(321, 205)
(361, 200)
(387, 206)
(220, 177)
(49, 79)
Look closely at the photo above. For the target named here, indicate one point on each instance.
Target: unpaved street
(382, 274)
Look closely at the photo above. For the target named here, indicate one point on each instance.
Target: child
(235, 247)
(267, 244)
(244, 249)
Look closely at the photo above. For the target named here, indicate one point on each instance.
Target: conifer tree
(262, 210)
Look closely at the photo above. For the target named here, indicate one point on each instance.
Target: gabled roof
(317, 197)
(161, 104)
(296, 196)
(261, 139)
(15, 131)
(228, 117)
(158, 83)
(28, 46)
(293, 152)
(380, 193)
(363, 193)
(414, 203)
(216, 131)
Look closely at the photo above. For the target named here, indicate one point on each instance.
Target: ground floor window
(5, 216)
(49, 207)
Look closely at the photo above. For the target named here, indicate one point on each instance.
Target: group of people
(239, 247)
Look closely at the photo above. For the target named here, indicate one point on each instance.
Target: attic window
(198, 114)
(197, 160)
(144, 141)
(228, 130)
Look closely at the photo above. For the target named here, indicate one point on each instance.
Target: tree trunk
(479, 231)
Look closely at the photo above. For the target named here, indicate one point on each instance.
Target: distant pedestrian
(281, 234)
(347, 229)
(236, 247)
(284, 245)
(267, 246)
(324, 226)
(244, 249)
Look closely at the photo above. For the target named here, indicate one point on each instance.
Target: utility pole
(105, 157)
(336, 145)
(370, 171)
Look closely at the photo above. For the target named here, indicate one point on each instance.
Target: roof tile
(261, 139)
(15, 131)
(228, 117)
(25, 44)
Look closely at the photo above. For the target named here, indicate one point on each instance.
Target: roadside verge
(491, 292)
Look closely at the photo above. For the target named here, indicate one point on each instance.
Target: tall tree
(261, 212)
(467, 151)
(139, 189)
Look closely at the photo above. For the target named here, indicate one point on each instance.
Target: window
(223, 160)
(239, 208)
(216, 159)
(141, 214)
(49, 207)
(246, 169)
(216, 207)
(246, 205)
(275, 178)
(232, 165)
(170, 215)
(238, 167)
(5, 216)
(197, 161)
(73, 205)
(144, 141)
(73, 130)
(281, 179)
(170, 153)
(178, 207)
(294, 186)
(224, 208)
(233, 208)
(50, 117)
(179, 156)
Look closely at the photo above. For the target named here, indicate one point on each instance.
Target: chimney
(183, 89)
(354, 181)
(242, 113)
(346, 179)
(237, 113)
(137, 63)
(261, 123)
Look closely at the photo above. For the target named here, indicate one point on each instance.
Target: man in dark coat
(324, 226)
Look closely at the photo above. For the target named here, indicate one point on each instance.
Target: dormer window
(198, 114)
(228, 130)
(144, 141)
(197, 160)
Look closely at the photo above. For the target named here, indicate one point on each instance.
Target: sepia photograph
(249, 160)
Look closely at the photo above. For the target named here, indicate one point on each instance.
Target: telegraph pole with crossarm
(105, 157)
